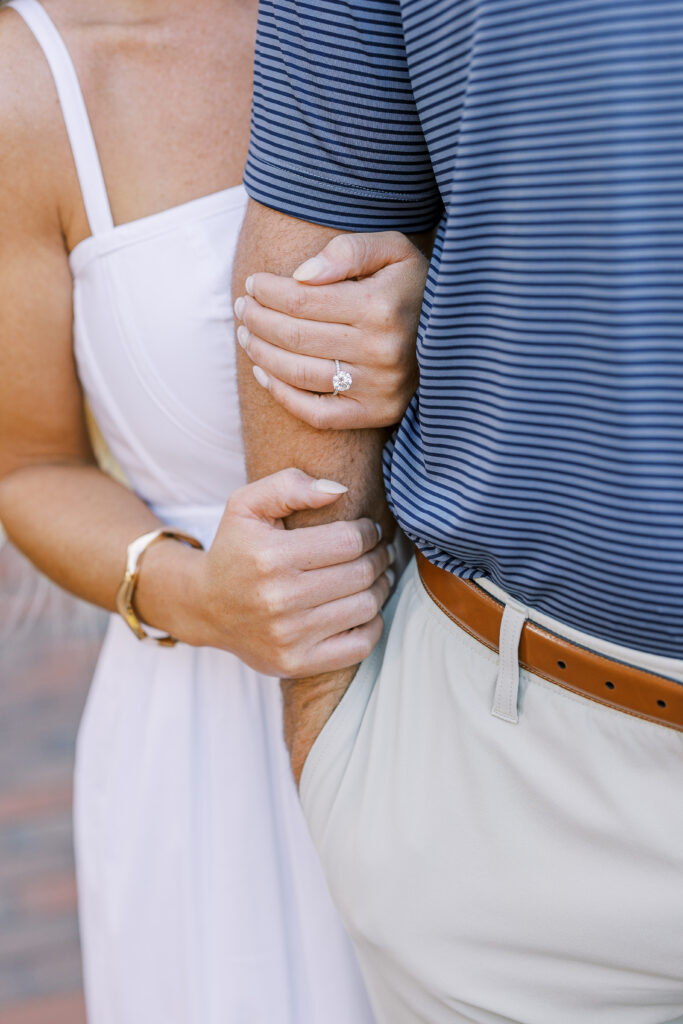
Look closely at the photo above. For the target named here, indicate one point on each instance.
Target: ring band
(342, 379)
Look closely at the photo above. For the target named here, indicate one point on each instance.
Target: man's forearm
(274, 440)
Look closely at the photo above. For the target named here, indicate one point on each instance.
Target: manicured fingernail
(239, 306)
(328, 487)
(249, 285)
(391, 576)
(261, 377)
(310, 269)
(380, 531)
(391, 551)
(243, 335)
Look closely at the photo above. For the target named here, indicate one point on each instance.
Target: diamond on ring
(342, 379)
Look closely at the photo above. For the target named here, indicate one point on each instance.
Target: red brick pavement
(48, 645)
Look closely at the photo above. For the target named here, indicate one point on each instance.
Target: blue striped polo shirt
(544, 448)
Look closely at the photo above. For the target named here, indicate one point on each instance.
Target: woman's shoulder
(34, 150)
(27, 90)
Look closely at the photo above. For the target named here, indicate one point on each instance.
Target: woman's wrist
(169, 595)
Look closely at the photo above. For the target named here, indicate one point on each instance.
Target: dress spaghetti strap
(76, 118)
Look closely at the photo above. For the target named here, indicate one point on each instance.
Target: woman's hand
(293, 603)
(358, 302)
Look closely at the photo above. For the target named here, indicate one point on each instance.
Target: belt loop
(507, 684)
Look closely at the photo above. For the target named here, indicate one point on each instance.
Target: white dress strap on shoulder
(74, 111)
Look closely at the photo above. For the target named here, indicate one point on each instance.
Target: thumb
(277, 496)
(354, 255)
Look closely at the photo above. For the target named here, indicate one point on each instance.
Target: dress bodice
(154, 346)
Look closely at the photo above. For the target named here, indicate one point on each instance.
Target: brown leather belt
(592, 675)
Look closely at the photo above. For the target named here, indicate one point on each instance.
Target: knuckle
(291, 476)
(397, 241)
(383, 310)
(318, 417)
(293, 335)
(280, 635)
(391, 412)
(233, 501)
(350, 540)
(366, 573)
(265, 561)
(365, 647)
(397, 406)
(341, 247)
(368, 605)
(286, 483)
(273, 599)
(303, 377)
(402, 376)
(387, 349)
(290, 665)
(297, 302)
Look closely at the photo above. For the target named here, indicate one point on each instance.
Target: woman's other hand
(358, 302)
(293, 603)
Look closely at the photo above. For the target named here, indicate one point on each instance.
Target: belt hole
(610, 686)
(562, 664)
(661, 703)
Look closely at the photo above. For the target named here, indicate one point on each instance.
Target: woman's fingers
(329, 304)
(355, 255)
(348, 612)
(305, 372)
(318, 547)
(342, 650)
(321, 586)
(276, 496)
(327, 411)
(292, 595)
(296, 334)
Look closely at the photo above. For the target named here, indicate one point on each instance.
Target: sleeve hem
(331, 201)
(330, 181)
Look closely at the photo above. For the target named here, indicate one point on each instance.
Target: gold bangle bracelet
(125, 595)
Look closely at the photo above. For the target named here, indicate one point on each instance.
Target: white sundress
(201, 897)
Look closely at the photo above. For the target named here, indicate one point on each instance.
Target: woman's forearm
(75, 524)
(276, 598)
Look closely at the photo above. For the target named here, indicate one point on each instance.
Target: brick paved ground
(48, 645)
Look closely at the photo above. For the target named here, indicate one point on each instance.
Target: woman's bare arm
(269, 595)
(71, 519)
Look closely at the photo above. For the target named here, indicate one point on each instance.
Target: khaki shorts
(493, 872)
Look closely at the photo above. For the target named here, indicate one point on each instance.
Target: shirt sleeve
(335, 135)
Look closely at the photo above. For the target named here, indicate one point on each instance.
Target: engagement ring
(342, 379)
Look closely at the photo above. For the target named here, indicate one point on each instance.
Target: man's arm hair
(274, 440)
